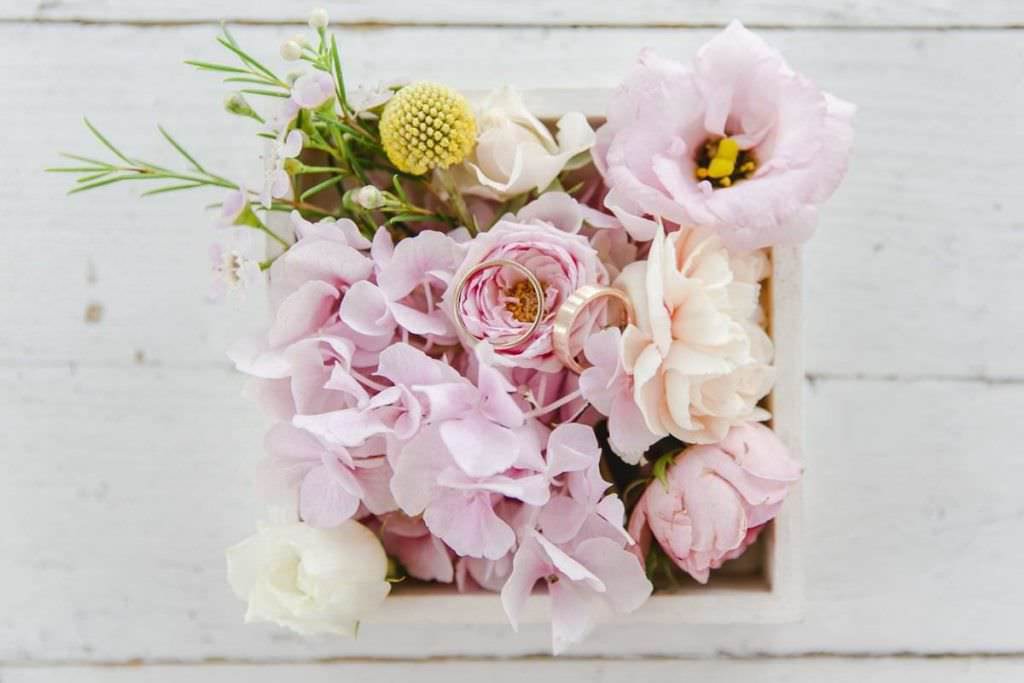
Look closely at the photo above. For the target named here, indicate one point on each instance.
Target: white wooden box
(774, 594)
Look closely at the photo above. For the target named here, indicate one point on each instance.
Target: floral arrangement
(504, 354)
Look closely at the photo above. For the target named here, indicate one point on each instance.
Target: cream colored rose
(310, 580)
(700, 361)
(515, 152)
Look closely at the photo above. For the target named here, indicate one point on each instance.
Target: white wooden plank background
(967, 670)
(648, 13)
(126, 450)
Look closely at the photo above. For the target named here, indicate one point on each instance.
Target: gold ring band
(538, 291)
(569, 313)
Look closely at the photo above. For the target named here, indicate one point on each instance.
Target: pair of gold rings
(565, 319)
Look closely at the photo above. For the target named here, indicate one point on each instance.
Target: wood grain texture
(907, 275)
(809, 670)
(127, 453)
(123, 486)
(678, 13)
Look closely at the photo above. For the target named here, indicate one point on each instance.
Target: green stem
(455, 199)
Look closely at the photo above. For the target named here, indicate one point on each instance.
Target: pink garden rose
(716, 499)
(662, 151)
(498, 304)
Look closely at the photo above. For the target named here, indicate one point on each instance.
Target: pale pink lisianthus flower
(498, 304)
(715, 500)
(793, 142)
(699, 360)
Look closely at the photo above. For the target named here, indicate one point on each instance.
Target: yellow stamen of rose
(523, 305)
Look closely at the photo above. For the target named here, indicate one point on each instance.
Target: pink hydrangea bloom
(585, 581)
(332, 481)
(797, 137)
(717, 498)
(609, 388)
(459, 507)
(424, 556)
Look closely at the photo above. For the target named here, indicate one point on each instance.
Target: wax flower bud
(237, 104)
(291, 51)
(318, 18)
(369, 197)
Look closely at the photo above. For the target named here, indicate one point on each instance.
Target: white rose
(515, 152)
(699, 358)
(310, 580)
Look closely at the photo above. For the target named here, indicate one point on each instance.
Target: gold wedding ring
(569, 313)
(538, 291)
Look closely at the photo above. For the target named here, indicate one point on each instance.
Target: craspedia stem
(455, 199)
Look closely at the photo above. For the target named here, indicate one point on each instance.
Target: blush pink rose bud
(715, 499)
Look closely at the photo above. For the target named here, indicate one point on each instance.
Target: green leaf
(87, 160)
(660, 469)
(99, 183)
(230, 44)
(409, 218)
(320, 186)
(339, 79)
(250, 79)
(76, 169)
(109, 145)
(181, 150)
(209, 66)
(94, 176)
(399, 190)
(171, 188)
(266, 93)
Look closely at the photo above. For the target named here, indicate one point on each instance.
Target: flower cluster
(504, 355)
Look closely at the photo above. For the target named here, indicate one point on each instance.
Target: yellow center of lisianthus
(523, 305)
(721, 162)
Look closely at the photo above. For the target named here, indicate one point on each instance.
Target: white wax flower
(515, 152)
(310, 580)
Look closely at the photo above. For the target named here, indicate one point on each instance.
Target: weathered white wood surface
(126, 451)
(676, 13)
(810, 670)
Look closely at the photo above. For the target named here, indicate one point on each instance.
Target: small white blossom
(318, 18)
(233, 268)
(275, 152)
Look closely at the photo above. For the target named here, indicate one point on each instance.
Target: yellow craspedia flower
(426, 126)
